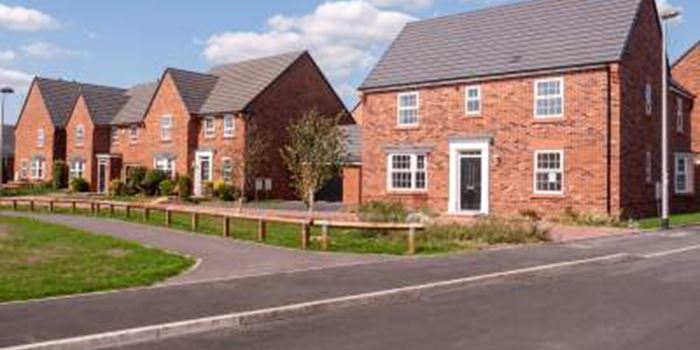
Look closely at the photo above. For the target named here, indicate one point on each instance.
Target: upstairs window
(473, 100)
(79, 135)
(134, 133)
(408, 106)
(679, 115)
(549, 98)
(549, 172)
(166, 126)
(40, 138)
(115, 134)
(683, 173)
(648, 99)
(407, 172)
(229, 125)
(209, 127)
(226, 169)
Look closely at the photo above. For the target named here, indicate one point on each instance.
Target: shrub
(166, 187)
(488, 231)
(60, 175)
(151, 181)
(134, 178)
(217, 186)
(208, 189)
(383, 212)
(228, 192)
(79, 185)
(117, 188)
(184, 187)
(530, 214)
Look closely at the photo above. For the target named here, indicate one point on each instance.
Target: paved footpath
(22, 323)
(218, 257)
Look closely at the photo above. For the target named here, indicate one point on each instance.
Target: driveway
(218, 257)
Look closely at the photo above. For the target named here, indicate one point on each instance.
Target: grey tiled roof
(526, 36)
(352, 140)
(239, 83)
(194, 87)
(103, 102)
(134, 109)
(59, 98)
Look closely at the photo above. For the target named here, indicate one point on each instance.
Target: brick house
(686, 71)
(196, 123)
(546, 105)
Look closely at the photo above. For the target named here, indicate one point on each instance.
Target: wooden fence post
(14, 204)
(325, 236)
(97, 209)
(73, 207)
(411, 241)
(262, 230)
(111, 209)
(194, 221)
(31, 205)
(168, 217)
(127, 210)
(51, 207)
(226, 222)
(305, 232)
(146, 213)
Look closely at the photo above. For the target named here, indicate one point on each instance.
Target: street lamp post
(4, 91)
(665, 17)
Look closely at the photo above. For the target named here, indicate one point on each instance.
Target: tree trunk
(311, 201)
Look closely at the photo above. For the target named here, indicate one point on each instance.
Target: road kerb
(241, 319)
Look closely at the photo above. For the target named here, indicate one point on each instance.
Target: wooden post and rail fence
(305, 225)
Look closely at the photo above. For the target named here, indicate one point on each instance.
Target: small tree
(314, 153)
(253, 159)
(60, 175)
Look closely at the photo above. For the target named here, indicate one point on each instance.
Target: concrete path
(219, 258)
(22, 323)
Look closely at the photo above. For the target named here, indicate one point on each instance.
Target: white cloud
(406, 4)
(16, 79)
(46, 50)
(7, 55)
(344, 36)
(25, 19)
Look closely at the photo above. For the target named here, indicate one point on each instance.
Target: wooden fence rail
(305, 225)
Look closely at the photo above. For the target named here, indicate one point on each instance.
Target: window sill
(475, 116)
(548, 120)
(407, 127)
(229, 137)
(408, 193)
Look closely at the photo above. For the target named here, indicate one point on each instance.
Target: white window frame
(648, 167)
(114, 134)
(224, 171)
(400, 109)
(133, 133)
(40, 137)
(679, 115)
(536, 170)
(476, 99)
(229, 130)
(688, 173)
(413, 170)
(209, 127)
(80, 135)
(165, 164)
(38, 169)
(537, 97)
(166, 127)
(648, 99)
(77, 169)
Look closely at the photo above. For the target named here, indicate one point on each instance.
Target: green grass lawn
(288, 235)
(41, 260)
(676, 220)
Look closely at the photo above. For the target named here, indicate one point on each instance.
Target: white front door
(202, 171)
(102, 177)
(469, 177)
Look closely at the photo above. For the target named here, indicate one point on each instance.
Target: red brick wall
(86, 151)
(34, 116)
(680, 142)
(687, 72)
(132, 152)
(300, 89)
(507, 115)
(223, 147)
(352, 185)
(167, 101)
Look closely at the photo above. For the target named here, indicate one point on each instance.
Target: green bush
(184, 187)
(117, 188)
(487, 231)
(134, 178)
(383, 212)
(60, 175)
(79, 185)
(152, 180)
(166, 187)
(228, 192)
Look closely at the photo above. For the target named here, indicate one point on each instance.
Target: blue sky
(126, 42)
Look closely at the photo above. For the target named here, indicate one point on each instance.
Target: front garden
(39, 260)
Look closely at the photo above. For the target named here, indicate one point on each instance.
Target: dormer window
(408, 107)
